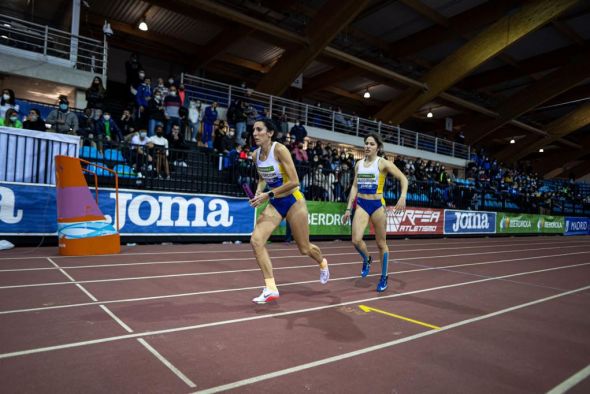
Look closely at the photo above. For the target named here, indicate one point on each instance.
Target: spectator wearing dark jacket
(172, 104)
(34, 121)
(95, 95)
(62, 120)
(298, 132)
(155, 112)
(107, 129)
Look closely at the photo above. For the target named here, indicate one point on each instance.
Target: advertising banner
(513, 223)
(324, 218)
(577, 226)
(414, 221)
(550, 224)
(31, 209)
(469, 222)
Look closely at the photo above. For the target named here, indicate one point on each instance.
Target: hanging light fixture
(512, 141)
(429, 114)
(541, 150)
(367, 94)
(142, 25)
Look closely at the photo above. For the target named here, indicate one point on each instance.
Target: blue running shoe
(382, 283)
(366, 267)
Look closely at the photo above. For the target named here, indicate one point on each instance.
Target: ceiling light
(7, 25)
(4, 36)
(541, 150)
(142, 25)
(429, 114)
(367, 94)
(512, 141)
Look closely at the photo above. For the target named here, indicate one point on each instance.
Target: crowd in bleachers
(162, 123)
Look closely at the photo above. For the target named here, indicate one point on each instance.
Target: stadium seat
(114, 155)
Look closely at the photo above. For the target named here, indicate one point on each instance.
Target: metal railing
(55, 46)
(208, 91)
(201, 170)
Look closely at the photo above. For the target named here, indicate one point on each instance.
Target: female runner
(277, 171)
(367, 188)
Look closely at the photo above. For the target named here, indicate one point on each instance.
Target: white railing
(208, 91)
(52, 45)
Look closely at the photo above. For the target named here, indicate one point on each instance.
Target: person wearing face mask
(107, 130)
(126, 122)
(10, 119)
(195, 116)
(62, 120)
(139, 156)
(298, 132)
(159, 146)
(172, 106)
(7, 101)
(155, 112)
(144, 92)
(34, 121)
(161, 87)
(95, 94)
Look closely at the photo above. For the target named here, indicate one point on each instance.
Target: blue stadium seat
(114, 155)
(99, 171)
(91, 153)
(124, 171)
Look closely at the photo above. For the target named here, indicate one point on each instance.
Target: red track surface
(179, 319)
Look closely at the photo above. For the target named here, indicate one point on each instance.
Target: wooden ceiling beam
(481, 48)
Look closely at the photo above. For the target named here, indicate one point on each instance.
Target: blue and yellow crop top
(369, 179)
(270, 169)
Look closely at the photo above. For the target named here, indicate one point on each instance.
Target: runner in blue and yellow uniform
(367, 188)
(277, 171)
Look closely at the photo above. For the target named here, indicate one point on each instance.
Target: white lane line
(397, 242)
(93, 298)
(167, 363)
(372, 249)
(115, 318)
(196, 293)
(124, 279)
(571, 381)
(344, 356)
(61, 270)
(270, 315)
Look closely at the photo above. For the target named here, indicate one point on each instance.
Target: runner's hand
(259, 199)
(346, 217)
(400, 206)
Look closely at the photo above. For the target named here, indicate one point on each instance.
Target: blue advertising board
(469, 222)
(27, 209)
(577, 226)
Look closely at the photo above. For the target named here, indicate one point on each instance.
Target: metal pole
(75, 31)
(357, 125)
(45, 40)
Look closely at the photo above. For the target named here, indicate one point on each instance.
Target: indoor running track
(484, 315)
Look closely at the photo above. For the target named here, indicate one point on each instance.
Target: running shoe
(266, 296)
(324, 275)
(366, 267)
(382, 283)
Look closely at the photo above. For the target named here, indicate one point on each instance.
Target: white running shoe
(324, 275)
(266, 296)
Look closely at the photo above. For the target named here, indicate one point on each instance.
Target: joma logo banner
(31, 209)
(469, 222)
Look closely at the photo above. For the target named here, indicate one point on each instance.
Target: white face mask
(6, 96)
(143, 134)
(170, 81)
(107, 117)
(172, 93)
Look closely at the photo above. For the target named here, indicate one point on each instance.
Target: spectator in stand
(162, 87)
(251, 116)
(283, 122)
(95, 95)
(195, 116)
(171, 82)
(34, 121)
(240, 120)
(107, 130)
(172, 105)
(127, 123)
(155, 112)
(86, 125)
(177, 145)
(208, 121)
(181, 94)
(142, 97)
(139, 155)
(62, 120)
(132, 68)
(221, 142)
(7, 101)
(298, 132)
(159, 145)
(10, 119)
